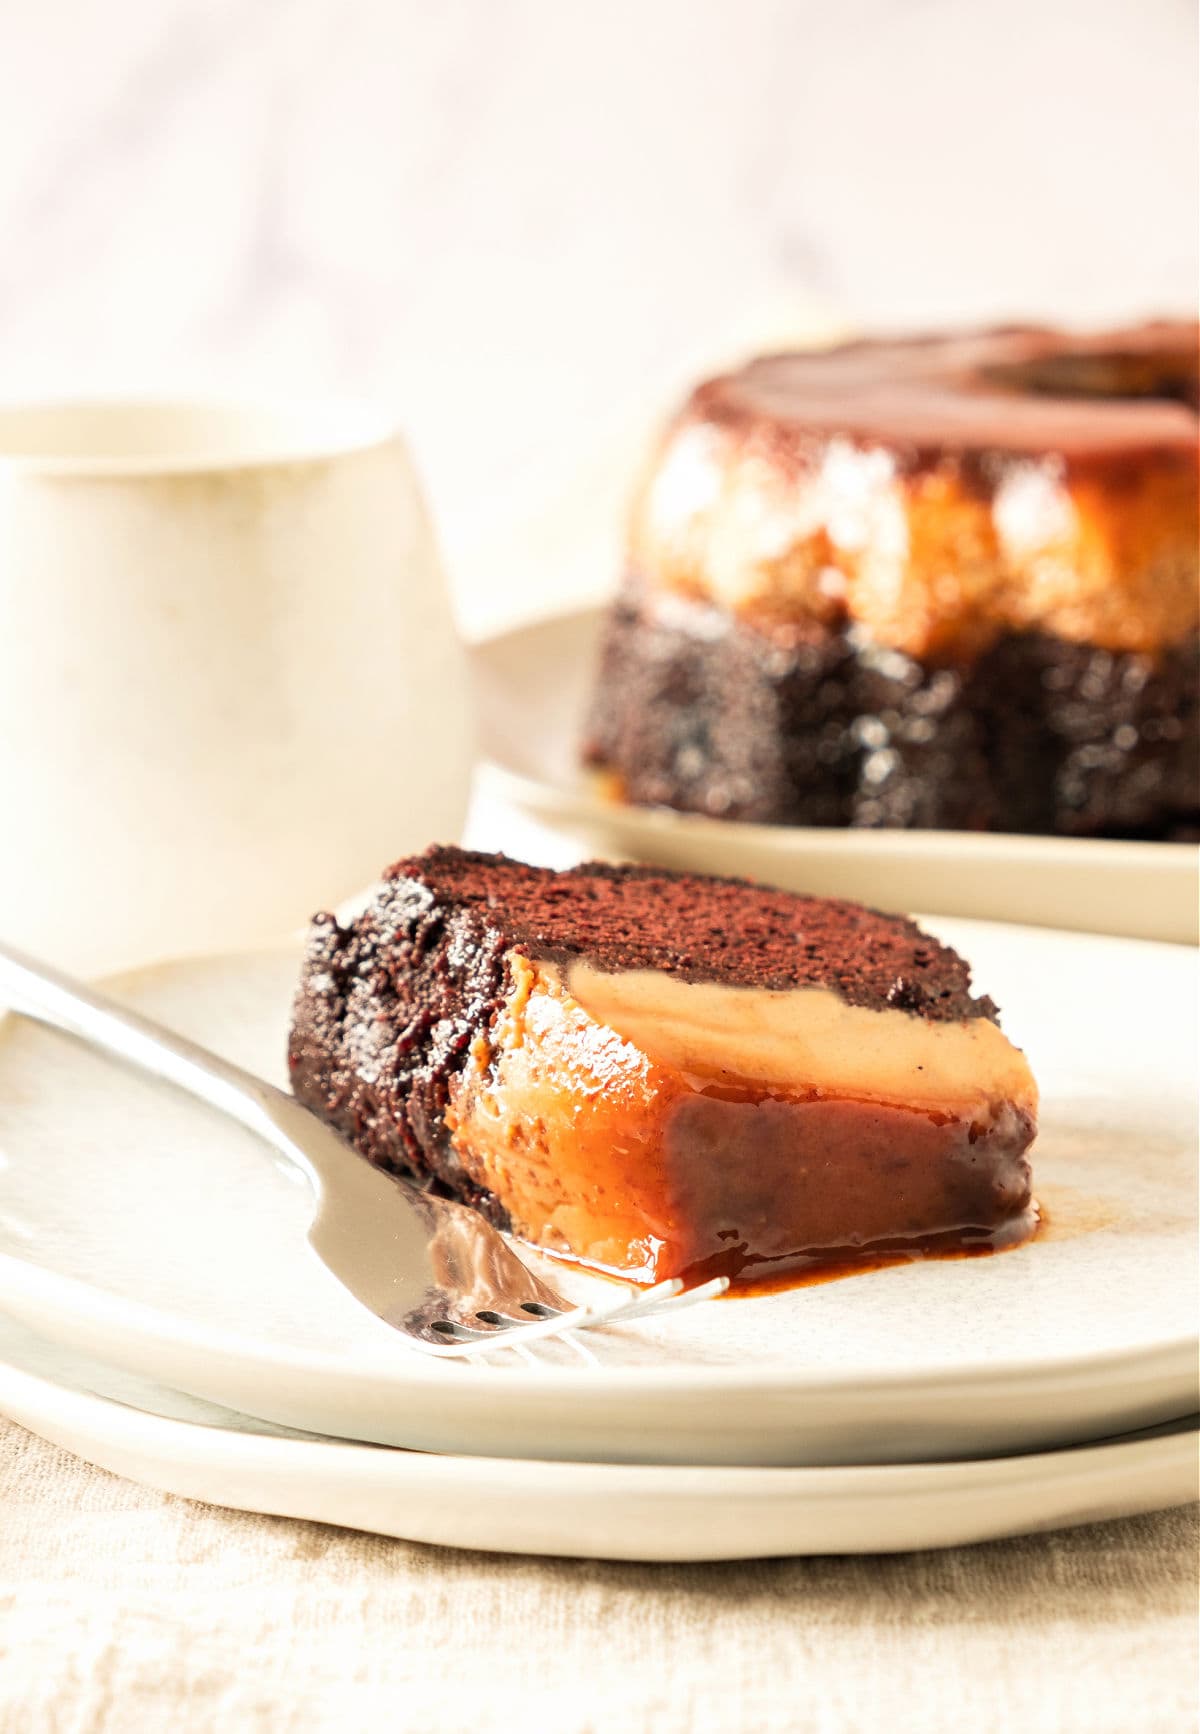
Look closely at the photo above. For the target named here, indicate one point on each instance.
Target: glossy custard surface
(617, 1157)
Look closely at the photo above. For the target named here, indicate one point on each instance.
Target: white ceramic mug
(230, 685)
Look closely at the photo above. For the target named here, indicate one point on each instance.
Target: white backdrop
(523, 223)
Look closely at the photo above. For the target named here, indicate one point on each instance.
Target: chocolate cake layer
(695, 926)
(650, 1072)
(821, 727)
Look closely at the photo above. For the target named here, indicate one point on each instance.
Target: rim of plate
(872, 1479)
(1138, 1364)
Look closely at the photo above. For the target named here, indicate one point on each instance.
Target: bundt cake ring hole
(1114, 374)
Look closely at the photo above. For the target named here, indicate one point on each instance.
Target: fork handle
(38, 991)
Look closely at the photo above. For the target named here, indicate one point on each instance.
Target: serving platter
(533, 685)
(148, 1234)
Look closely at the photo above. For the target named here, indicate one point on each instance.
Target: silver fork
(433, 1269)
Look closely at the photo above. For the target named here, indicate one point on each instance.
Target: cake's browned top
(1016, 389)
(700, 928)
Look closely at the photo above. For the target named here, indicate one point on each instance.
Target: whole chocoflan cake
(945, 582)
(657, 1074)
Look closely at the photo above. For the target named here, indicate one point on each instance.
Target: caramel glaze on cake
(660, 1075)
(942, 582)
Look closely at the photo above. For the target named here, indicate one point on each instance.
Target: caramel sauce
(752, 1276)
(1068, 1213)
(806, 1270)
(625, 1164)
(1043, 484)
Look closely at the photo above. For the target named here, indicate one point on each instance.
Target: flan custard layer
(663, 1074)
(619, 1156)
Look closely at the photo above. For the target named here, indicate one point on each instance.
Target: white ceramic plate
(601, 1511)
(150, 1234)
(533, 687)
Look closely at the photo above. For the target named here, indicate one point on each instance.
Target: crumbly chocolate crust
(388, 1007)
(699, 927)
(706, 714)
(383, 1021)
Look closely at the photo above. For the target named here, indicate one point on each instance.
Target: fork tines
(510, 1332)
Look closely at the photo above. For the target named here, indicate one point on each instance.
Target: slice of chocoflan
(662, 1074)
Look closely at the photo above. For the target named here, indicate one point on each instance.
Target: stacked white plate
(163, 1316)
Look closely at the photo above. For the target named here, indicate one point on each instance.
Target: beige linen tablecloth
(124, 1611)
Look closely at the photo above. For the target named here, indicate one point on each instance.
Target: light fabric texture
(125, 1611)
